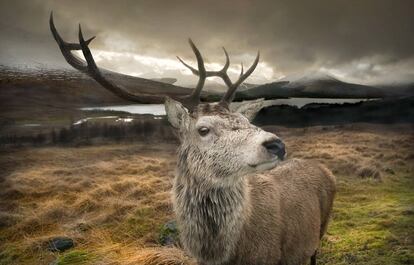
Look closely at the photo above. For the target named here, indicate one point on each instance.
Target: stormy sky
(364, 41)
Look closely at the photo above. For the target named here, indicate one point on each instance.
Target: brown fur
(290, 211)
(288, 214)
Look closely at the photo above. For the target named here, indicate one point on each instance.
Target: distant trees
(36, 139)
(85, 133)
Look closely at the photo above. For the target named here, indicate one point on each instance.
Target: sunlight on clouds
(167, 64)
(139, 65)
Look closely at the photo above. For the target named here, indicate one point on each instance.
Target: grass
(8, 254)
(75, 257)
(114, 199)
(372, 223)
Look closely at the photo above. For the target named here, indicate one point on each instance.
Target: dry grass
(358, 150)
(113, 199)
(114, 196)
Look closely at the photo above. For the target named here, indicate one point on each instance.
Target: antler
(90, 68)
(203, 74)
(191, 101)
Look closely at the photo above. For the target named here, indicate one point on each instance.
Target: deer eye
(203, 131)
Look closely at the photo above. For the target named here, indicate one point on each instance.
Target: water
(154, 109)
(115, 118)
(158, 109)
(31, 125)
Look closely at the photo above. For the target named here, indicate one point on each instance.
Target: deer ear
(177, 114)
(249, 109)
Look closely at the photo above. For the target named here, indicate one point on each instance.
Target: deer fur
(230, 212)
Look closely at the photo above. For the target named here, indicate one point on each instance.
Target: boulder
(60, 243)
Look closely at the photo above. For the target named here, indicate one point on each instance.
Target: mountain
(320, 86)
(385, 111)
(49, 85)
(398, 89)
(166, 80)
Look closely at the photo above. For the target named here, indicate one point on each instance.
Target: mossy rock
(60, 243)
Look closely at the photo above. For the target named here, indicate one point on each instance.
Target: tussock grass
(101, 196)
(74, 257)
(113, 199)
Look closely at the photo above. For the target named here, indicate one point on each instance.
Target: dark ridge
(385, 111)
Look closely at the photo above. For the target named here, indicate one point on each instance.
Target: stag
(235, 198)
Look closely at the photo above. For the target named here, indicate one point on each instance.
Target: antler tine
(223, 72)
(227, 64)
(228, 97)
(91, 65)
(66, 48)
(193, 100)
(241, 71)
(201, 71)
(193, 70)
(208, 73)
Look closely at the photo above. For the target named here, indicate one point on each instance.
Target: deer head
(219, 145)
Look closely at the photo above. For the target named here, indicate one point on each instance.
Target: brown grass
(93, 194)
(113, 199)
(354, 150)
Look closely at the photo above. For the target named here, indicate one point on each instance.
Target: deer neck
(210, 216)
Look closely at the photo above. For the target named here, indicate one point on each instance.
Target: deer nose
(275, 147)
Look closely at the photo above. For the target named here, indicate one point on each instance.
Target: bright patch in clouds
(153, 67)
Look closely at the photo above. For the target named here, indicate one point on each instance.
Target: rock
(60, 243)
(169, 234)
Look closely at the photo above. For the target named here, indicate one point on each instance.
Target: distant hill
(385, 111)
(167, 80)
(398, 90)
(322, 86)
(61, 87)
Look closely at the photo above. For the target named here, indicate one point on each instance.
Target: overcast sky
(365, 41)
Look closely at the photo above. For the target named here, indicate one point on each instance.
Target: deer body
(272, 218)
(230, 214)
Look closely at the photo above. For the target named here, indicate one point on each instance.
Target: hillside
(386, 111)
(323, 86)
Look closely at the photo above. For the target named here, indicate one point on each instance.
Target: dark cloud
(293, 36)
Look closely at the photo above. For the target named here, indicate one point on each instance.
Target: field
(114, 199)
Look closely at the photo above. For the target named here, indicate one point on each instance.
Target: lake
(154, 109)
(158, 109)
